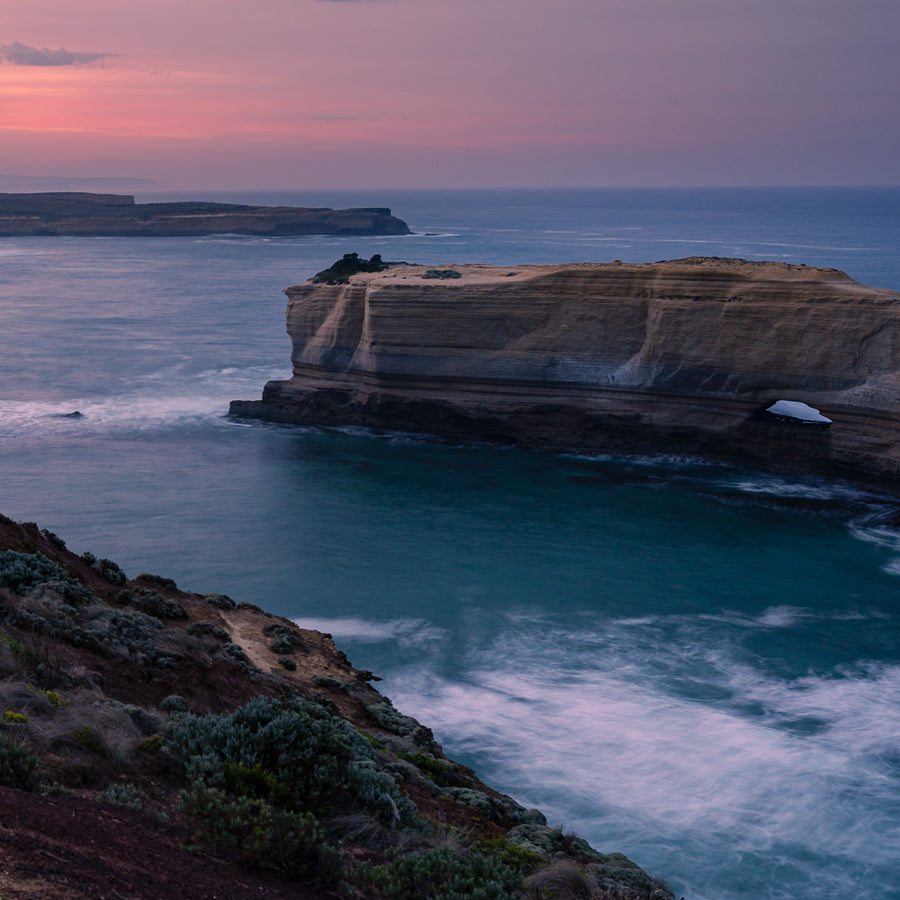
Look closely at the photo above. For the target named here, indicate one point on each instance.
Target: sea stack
(690, 356)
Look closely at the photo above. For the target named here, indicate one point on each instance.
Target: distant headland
(72, 213)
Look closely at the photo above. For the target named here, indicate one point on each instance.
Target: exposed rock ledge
(682, 356)
(68, 213)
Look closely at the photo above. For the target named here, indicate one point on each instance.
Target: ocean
(696, 665)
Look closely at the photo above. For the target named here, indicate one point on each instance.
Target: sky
(309, 94)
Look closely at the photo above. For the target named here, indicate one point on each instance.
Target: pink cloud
(22, 55)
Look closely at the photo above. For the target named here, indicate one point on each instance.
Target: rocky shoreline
(686, 356)
(117, 215)
(155, 742)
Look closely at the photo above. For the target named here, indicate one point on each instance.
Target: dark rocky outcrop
(675, 357)
(118, 215)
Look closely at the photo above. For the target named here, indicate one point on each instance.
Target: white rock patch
(797, 410)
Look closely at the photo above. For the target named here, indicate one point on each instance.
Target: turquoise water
(696, 665)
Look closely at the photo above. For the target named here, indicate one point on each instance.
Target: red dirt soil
(70, 847)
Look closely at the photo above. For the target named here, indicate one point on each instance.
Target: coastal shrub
(567, 880)
(8, 663)
(563, 880)
(282, 645)
(49, 610)
(446, 874)
(15, 718)
(616, 875)
(329, 683)
(69, 593)
(105, 568)
(146, 723)
(299, 752)
(159, 580)
(154, 604)
(54, 539)
(502, 810)
(94, 732)
(16, 647)
(511, 855)
(284, 640)
(339, 272)
(19, 766)
(122, 795)
(522, 816)
(173, 704)
(89, 738)
(130, 630)
(437, 770)
(281, 753)
(610, 875)
(220, 601)
(257, 833)
(24, 699)
(362, 830)
(477, 800)
(41, 661)
(52, 697)
(21, 571)
(245, 604)
(28, 621)
(152, 744)
(441, 273)
(45, 610)
(236, 652)
(276, 630)
(207, 629)
(389, 718)
(547, 841)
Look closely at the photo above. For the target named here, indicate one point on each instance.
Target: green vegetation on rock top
(349, 264)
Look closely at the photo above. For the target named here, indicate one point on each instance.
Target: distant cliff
(684, 356)
(119, 215)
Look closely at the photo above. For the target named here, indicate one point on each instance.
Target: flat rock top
(694, 266)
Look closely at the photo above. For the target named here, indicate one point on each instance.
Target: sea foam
(571, 722)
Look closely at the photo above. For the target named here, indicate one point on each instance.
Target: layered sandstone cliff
(681, 356)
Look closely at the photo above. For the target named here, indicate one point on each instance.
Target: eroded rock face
(680, 356)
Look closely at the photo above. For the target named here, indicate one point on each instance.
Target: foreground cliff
(156, 743)
(76, 214)
(684, 356)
